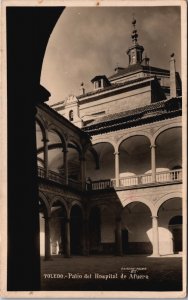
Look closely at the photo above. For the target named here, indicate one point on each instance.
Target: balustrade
(165, 176)
(136, 180)
(169, 176)
(41, 172)
(101, 184)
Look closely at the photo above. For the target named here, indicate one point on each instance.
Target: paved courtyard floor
(112, 273)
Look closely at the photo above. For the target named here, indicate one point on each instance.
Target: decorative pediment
(70, 100)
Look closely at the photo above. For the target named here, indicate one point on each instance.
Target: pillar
(117, 168)
(67, 238)
(47, 239)
(153, 163)
(65, 163)
(45, 141)
(23, 93)
(173, 92)
(118, 233)
(155, 236)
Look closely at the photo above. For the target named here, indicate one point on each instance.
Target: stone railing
(137, 180)
(56, 177)
(164, 176)
(101, 184)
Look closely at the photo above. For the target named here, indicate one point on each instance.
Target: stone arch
(76, 228)
(136, 227)
(134, 157)
(42, 126)
(133, 134)
(76, 202)
(113, 207)
(162, 129)
(94, 154)
(103, 141)
(164, 199)
(63, 202)
(146, 202)
(103, 167)
(43, 197)
(62, 137)
(75, 145)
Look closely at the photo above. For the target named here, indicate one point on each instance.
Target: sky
(90, 41)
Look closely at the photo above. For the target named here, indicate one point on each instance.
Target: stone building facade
(110, 164)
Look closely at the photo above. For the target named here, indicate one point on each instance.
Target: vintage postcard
(93, 149)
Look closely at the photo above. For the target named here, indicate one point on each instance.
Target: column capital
(154, 216)
(153, 146)
(45, 140)
(116, 153)
(65, 151)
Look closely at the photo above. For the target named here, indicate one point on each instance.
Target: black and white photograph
(93, 154)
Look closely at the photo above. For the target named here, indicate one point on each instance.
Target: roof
(137, 67)
(116, 85)
(99, 77)
(149, 113)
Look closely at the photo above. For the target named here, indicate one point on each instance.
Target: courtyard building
(110, 163)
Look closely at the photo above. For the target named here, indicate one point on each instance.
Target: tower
(135, 51)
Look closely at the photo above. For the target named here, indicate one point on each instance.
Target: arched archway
(108, 229)
(43, 215)
(101, 165)
(94, 230)
(170, 226)
(58, 228)
(175, 226)
(74, 162)
(56, 146)
(40, 137)
(136, 226)
(29, 43)
(169, 154)
(76, 230)
(134, 160)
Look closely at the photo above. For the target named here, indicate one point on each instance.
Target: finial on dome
(134, 32)
(134, 21)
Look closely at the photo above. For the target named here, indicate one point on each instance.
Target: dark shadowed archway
(76, 230)
(28, 31)
(95, 230)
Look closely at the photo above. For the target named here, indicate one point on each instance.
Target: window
(71, 117)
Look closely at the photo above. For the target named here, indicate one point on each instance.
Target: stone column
(45, 141)
(153, 163)
(118, 234)
(155, 236)
(67, 238)
(47, 255)
(117, 168)
(65, 163)
(173, 91)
